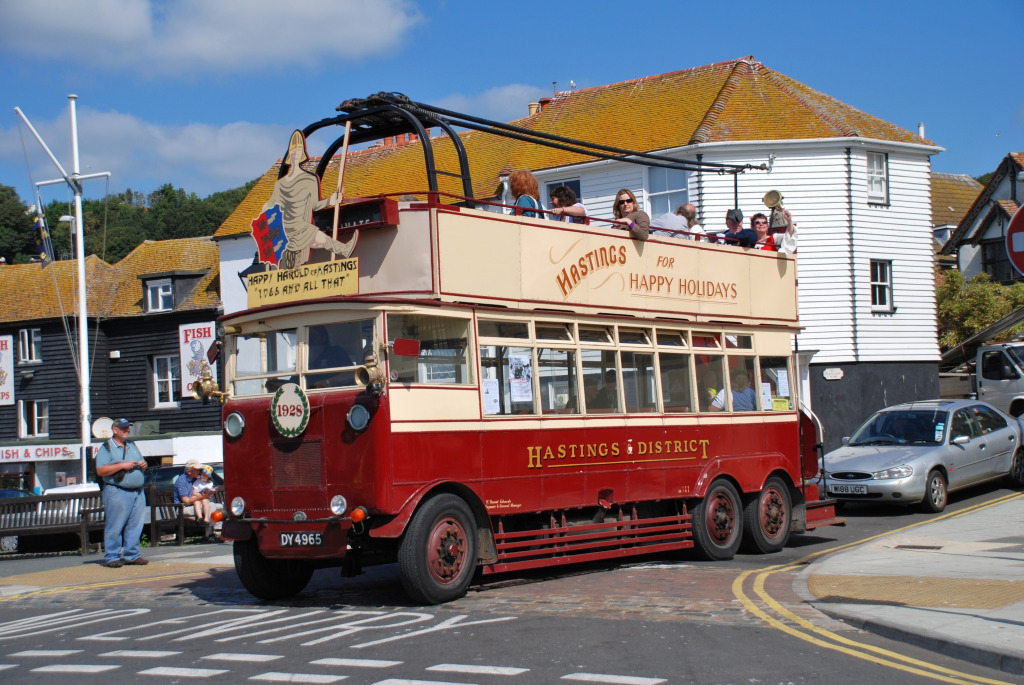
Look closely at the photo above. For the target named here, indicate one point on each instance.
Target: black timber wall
(842, 405)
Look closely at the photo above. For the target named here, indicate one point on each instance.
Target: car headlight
(238, 506)
(234, 424)
(901, 471)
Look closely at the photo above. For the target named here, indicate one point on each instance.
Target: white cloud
(501, 103)
(231, 36)
(200, 158)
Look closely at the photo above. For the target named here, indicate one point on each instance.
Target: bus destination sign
(306, 282)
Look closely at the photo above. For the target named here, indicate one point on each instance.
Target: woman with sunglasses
(629, 216)
(783, 241)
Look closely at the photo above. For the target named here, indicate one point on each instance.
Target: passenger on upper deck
(525, 190)
(297, 193)
(675, 221)
(783, 241)
(564, 206)
(735, 233)
(683, 224)
(629, 216)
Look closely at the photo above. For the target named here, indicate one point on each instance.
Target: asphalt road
(665, 619)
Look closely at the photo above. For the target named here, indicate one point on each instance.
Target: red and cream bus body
(471, 390)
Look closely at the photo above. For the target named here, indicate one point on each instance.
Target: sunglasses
(760, 223)
(622, 202)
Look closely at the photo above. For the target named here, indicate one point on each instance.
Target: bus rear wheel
(767, 518)
(717, 522)
(437, 556)
(269, 579)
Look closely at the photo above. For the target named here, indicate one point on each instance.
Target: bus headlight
(338, 504)
(358, 417)
(234, 424)
(237, 506)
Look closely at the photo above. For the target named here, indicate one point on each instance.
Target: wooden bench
(79, 513)
(165, 513)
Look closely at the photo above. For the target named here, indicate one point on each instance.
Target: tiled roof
(162, 256)
(1012, 163)
(33, 293)
(952, 196)
(739, 100)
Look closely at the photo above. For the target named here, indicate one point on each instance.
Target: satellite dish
(103, 428)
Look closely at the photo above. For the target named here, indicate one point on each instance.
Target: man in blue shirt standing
(120, 464)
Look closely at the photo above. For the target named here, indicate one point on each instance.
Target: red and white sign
(6, 369)
(25, 453)
(1015, 240)
(194, 340)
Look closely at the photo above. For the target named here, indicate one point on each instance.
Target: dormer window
(159, 295)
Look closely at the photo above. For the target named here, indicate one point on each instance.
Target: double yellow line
(802, 629)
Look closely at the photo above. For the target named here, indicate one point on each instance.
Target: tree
(15, 226)
(966, 308)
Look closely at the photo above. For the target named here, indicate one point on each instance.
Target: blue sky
(204, 93)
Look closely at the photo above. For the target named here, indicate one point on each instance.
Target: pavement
(954, 585)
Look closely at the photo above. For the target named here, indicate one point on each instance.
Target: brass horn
(773, 200)
(206, 388)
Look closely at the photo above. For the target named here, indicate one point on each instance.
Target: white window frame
(881, 286)
(878, 177)
(172, 378)
(654, 197)
(30, 346)
(159, 295)
(575, 181)
(35, 424)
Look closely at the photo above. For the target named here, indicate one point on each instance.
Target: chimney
(920, 128)
(544, 102)
(534, 108)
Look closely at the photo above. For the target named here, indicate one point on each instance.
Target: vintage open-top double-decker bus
(473, 390)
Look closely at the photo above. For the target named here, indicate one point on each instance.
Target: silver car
(919, 452)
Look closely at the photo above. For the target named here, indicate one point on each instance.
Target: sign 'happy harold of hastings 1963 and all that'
(309, 281)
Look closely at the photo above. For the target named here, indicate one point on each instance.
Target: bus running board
(565, 544)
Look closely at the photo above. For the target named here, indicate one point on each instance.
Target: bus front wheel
(437, 555)
(269, 579)
(717, 522)
(767, 518)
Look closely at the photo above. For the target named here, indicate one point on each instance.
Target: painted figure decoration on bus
(526, 192)
(297, 195)
(629, 216)
(565, 207)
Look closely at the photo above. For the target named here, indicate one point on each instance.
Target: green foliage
(116, 225)
(966, 308)
(984, 178)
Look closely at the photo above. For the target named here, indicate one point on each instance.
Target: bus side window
(675, 382)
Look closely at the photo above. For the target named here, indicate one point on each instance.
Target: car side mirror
(961, 439)
(846, 440)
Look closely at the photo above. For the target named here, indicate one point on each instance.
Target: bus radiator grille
(297, 464)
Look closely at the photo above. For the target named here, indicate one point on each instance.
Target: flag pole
(341, 182)
(75, 181)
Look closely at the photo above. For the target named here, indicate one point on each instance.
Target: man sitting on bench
(196, 502)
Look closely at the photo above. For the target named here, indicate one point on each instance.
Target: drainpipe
(853, 265)
(700, 190)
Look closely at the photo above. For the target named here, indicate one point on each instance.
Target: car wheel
(1016, 474)
(936, 494)
(9, 543)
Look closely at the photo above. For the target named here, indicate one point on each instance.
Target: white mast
(75, 181)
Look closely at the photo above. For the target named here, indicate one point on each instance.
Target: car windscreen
(1016, 353)
(903, 427)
